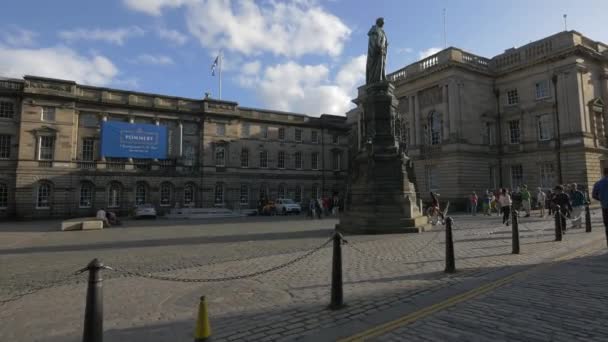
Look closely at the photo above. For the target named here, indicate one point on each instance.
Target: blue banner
(127, 140)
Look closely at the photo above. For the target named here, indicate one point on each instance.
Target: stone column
(446, 112)
(180, 147)
(411, 125)
(131, 121)
(157, 123)
(104, 118)
(452, 91)
(417, 125)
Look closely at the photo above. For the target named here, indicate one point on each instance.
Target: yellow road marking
(478, 291)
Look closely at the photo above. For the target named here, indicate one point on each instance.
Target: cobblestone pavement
(566, 302)
(381, 274)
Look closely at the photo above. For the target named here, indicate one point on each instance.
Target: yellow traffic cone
(202, 332)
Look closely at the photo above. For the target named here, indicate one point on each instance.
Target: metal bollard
(450, 263)
(515, 230)
(558, 224)
(93, 314)
(587, 218)
(337, 300)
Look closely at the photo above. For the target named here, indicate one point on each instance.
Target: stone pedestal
(380, 197)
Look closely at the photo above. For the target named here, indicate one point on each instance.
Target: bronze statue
(376, 53)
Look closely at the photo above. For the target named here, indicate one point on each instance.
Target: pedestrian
(434, 212)
(516, 199)
(319, 207)
(497, 194)
(600, 193)
(550, 198)
(505, 205)
(487, 202)
(102, 215)
(541, 198)
(525, 200)
(312, 208)
(563, 200)
(578, 205)
(335, 205)
(473, 202)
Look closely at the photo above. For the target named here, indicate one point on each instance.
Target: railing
(45, 163)
(428, 63)
(87, 165)
(142, 165)
(166, 164)
(115, 165)
(475, 60)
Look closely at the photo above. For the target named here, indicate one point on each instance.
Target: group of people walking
(324, 206)
(570, 198)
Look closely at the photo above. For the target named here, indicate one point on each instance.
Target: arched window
(219, 193)
(141, 193)
(298, 194)
(220, 156)
(166, 194)
(434, 128)
(114, 195)
(3, 196)
(189, 195)
(282, 191)
(86, 195)
(43, 195)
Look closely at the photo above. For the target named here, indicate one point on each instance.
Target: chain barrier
(61, 281)
(238, 277)
(395, 259)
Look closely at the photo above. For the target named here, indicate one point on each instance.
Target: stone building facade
(533, 115)
(219, 154)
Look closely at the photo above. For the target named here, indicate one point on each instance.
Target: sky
(304, 56)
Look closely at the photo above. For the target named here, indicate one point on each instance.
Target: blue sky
(305, 56)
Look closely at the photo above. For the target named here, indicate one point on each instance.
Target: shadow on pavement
(319, 233)
(321, 324)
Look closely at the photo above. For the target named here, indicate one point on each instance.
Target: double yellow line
(427, 311)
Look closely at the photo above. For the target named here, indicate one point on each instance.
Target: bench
(83, 223)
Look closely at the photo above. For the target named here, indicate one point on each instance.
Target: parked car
(287, 206)
(145, 210)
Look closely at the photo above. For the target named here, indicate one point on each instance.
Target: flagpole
(220, 67)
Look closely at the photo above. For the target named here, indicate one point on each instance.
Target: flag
(214, 65)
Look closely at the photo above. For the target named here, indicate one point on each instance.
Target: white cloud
(116, 36)
(308, 88)
(153, 7)
(153, 59)
(288, 28)
(251, 68)
(18, 37)
(172, 36)
(57, 62)
(428, 52)
(404, 50)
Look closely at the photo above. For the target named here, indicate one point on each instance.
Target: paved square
(385, 277)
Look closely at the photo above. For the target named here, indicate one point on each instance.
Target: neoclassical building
(533, 115)
(218, 154)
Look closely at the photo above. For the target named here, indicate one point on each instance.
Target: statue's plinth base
(381, 199)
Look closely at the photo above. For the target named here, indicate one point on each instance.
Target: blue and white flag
(214, 65)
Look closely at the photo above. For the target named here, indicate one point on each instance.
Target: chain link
(392, 259)
(62, 281)
(214, 280)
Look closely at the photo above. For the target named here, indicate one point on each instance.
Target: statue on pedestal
(375, 70)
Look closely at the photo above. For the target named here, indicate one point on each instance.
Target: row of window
(264, 193)
(44, 191)
(543, 126)
(546, 176)
(220, 159)
(220, 130)
(541, 90)
(114, 194)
